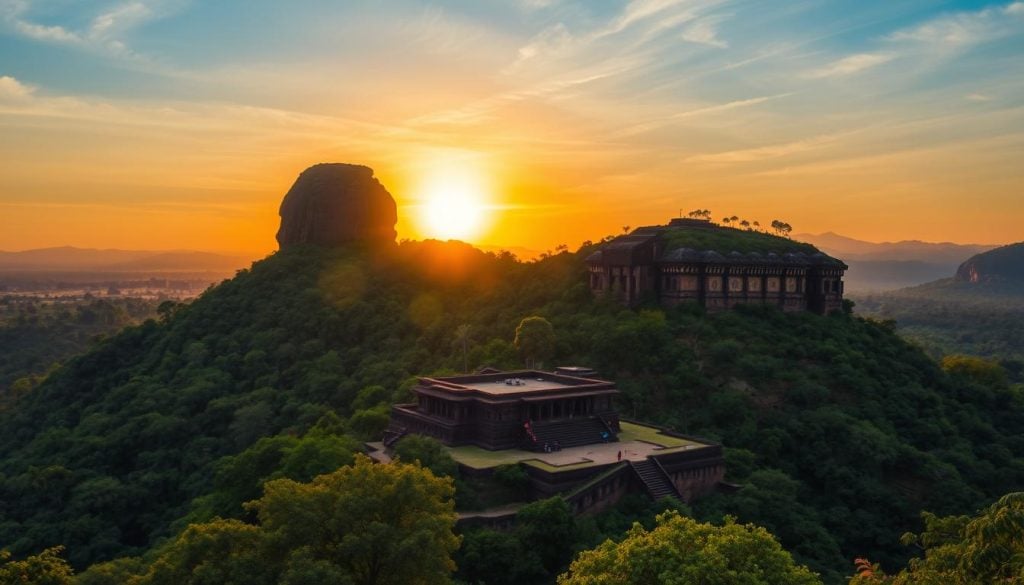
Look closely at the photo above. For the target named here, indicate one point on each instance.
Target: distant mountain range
(71, 259)
(893, 265)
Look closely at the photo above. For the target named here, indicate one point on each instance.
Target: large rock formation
(333, 204)
(999, 265)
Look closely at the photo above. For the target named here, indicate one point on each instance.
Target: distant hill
(977, 310)
(904, 250)
(893, 265)
(71, 259)
(1003, 265)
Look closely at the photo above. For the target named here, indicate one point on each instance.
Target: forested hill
(840, 432)
(979, 311)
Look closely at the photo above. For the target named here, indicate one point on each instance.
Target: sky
(172, 124)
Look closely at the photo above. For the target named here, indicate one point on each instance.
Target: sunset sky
(181, 124)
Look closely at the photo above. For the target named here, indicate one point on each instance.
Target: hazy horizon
(257, 253)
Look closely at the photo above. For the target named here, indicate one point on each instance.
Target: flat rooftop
(636, 442)
(515, 385)
(521, 382)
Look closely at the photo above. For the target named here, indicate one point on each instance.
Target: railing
(608, 427)
(667, 477)
(392, 437)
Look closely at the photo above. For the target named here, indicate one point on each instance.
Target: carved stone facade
(507, 410)
(640, 265)
(566, 433)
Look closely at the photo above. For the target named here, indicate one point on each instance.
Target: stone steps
(654, 479)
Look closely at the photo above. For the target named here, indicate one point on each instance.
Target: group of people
(514, 382)
(552, 447)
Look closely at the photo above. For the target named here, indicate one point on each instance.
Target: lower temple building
(563, 429)
(693, 260)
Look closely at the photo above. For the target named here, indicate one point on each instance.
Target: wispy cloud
(850, 65)
(536, 4)
(696, 113)
(964, 29)
(106, 32)
(719, 108)
(767, 152)
(704, 31)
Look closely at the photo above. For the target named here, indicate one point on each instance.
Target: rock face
(334, 204)
(1002, 264)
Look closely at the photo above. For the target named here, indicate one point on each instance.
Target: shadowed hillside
(840, 432)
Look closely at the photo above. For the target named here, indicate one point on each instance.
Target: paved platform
(635, 443)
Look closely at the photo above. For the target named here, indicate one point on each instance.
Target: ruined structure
(563, 429)
(697, 261)
(511, 410)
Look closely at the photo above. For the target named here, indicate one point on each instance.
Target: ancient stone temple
(563, 429)
(719, 267)
(506, 410)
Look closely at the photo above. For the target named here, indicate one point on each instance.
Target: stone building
(565, 432)
(502, 410)
(656, 263)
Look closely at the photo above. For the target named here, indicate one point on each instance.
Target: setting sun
(455, 205)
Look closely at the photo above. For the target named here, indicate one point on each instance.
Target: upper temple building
(694, 260)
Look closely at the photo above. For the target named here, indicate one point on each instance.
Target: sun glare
(455, 206)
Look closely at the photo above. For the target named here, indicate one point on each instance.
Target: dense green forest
(38, 334)
(839, 432)
(948, 317)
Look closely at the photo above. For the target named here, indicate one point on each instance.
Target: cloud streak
(965, 29)
(850, 65)
(106, 33)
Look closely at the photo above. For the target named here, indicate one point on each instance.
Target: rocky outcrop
(334, 204)
(999, 265)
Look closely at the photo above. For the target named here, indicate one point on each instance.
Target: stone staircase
(573, 432)
(393, 434)
(654, 479)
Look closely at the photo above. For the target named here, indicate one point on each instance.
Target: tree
(987, 372)
(428, 452)
(45, 568)
(699, 214)
(535, 340)
(548, 528)
(462, 340)
(498, 558)
(364, 524)
(167, 309)
(682, 550)
(745, 224)
(960, 550)
(781, 228)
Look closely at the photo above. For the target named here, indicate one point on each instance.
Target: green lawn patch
(634, 432)
(724, 240)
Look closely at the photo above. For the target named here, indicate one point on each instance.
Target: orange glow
(450, 197)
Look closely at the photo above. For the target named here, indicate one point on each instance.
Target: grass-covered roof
(724, 240)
